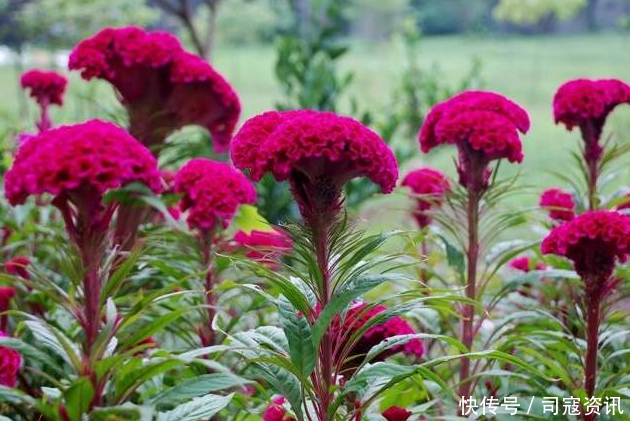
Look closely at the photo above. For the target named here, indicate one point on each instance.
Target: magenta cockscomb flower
(428, 187)
(594, 241)
(483, 125)
(396, 413)
(355, 318)
(318, 152)
(89, 159)
(162, 86)
(78, 164)
(525, 264)
(559, 204)
(264, 246)
(10, 362)
(47, 88)
(586, 103)
(6, 295)
(212, 192)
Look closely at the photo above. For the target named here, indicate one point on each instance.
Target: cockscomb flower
(162, 86)
(483, 125)
(80, 160)
(594, 241)
(212, 192)
(396, 413)
(525, 264)
(559, 203)
(10, 362)
(355, 318)
(428, 187)
(6, 295)
(318, 152)
(264, 246)
(584, 102)
(47, 88)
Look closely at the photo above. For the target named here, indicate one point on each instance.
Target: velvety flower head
(593, 241)
(483, 125)
(212, 192)
(584, 101)
(525, 264)
(396, 413)
(163, 87)
(317, 151)
(559, 203)
(10, 362)
(18, 266)
(94, 155)
(356, 317)
(429, 187)
(264, 246)
(46, 87)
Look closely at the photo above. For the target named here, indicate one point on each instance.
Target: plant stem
(467, 322)
(320, 231)
(593, 165)
(592, 345)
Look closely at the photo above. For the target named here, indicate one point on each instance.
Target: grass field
(526, 69)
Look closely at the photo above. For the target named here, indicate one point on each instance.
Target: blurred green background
(372, 49)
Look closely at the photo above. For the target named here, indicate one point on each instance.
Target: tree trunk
(591, 14)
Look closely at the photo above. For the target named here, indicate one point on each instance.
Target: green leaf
(136, 377)
(197, 409)
(248, 219)
(29, 351)
(298, 332)
(78, 398)
(454, 257)
(198, 386)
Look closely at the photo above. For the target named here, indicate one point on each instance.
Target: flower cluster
(276, 412)
(46, 87)
(593, 241)
(428, 187)
(212, 192)
(264, 246)
(360, 314)
(485, 126)
(95, 155)
(396, 413)
(10, 362)
(582, 101)
(525, 264)
(321, 149)
(162, 86)
(559, 203)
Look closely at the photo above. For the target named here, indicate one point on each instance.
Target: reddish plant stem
(591, 133)
(320, 231)
(44, 122)
(593, 302)
(467, 322)
(424, 251)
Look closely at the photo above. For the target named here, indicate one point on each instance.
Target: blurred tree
(540, 13)
(591, 14)
(437, 17)
(259, 17)
(377, 19)
(198, 19)
(62, 23)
